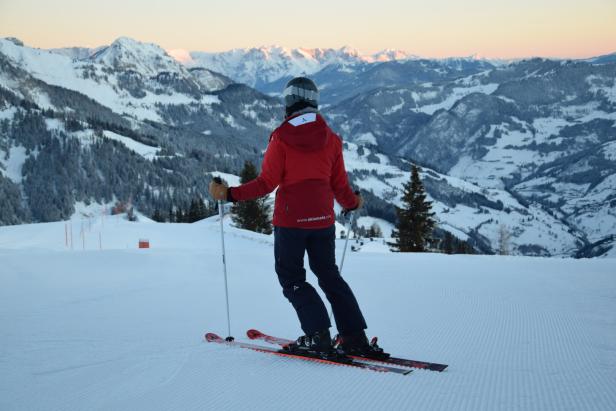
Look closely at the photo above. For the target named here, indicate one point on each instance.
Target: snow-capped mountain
(263, 65)
(388, 55)
(338, 82)
(131, 78)
(542, 131)
(144, 58)
(99, 128)
(339, 73)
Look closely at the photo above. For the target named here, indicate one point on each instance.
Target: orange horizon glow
(443, 28)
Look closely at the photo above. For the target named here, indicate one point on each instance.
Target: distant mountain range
(527, 147)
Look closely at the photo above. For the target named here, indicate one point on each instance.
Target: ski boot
(357, 345)
(317, 345)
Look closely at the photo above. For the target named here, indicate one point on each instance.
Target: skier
(304, 160)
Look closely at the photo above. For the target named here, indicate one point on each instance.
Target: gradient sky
(434, 28)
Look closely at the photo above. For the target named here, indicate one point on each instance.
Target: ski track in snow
(123, 329)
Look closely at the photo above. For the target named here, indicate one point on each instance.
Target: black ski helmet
(300, 93)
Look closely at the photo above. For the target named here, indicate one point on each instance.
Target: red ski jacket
(304, 160)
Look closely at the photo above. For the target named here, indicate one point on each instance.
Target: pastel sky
(430, 28)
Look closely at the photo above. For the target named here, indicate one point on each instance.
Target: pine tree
(463, 247)
(211, 208)
(158, 217)
(374, 231)
(415, 220)
(447, 243)
(179, 215)
(201, 209)
(251, 215)
(450, 244)
(378, 233)
(197, 211)
(193, 212)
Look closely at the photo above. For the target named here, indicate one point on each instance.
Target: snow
(209, 80)
(8, 113)
(596, 206)
(609, 150)
(52, 68)
(249, 110)
(270, 63)
(508, 155)
(389, 55)
(367, 222)
(54, 124)
(145, 58)
(395, 108)
(230, 120)
(121, 328)
(547, 127)
(123, 54)
(76, 53)
(209, 99)
(371, 183)
(612, 252)
(455, 231)
(603, 85)
(231, 179)
(42, 99)
(181, 55)
(366, 138)
(11, 167)
(456, 94)
(532, 226)
(143, 150)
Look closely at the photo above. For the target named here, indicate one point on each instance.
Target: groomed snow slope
(121, 328)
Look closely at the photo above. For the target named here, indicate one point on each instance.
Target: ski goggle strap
(302, 93)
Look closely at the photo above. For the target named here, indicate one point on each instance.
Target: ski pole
(221, 213)
(347, 228)
(348, 233)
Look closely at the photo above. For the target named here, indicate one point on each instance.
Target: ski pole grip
(346, 212)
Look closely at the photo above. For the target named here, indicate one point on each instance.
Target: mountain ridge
(528, 146)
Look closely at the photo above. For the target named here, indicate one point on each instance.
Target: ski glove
(360, 203)
(218, 191)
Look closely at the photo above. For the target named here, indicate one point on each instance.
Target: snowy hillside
(539, 131)
(469, 211)
(121, 328)
(128, 123)
(128, 77)
(128, 54)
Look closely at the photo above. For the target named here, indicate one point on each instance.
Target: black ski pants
(290, 244)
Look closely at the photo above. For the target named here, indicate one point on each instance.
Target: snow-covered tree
(503, 240)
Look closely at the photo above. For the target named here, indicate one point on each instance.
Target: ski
(211, 337)
(258, 335)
